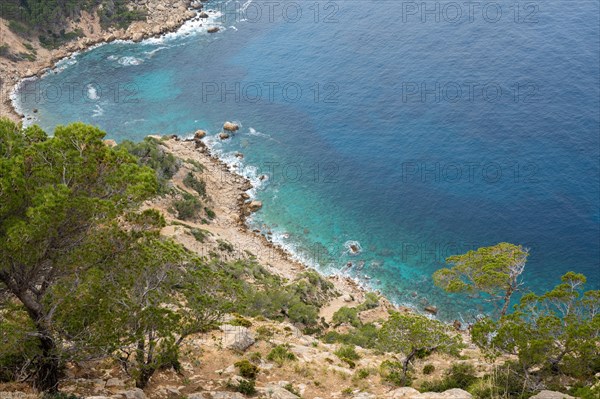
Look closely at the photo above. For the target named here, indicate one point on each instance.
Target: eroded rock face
(236, 337)
(551, 395)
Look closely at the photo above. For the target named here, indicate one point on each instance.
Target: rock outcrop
(236, 337)
(551, 395)
(231, 127)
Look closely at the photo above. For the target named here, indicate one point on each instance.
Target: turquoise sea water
(418, 130)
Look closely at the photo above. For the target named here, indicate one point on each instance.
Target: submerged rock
(214, 29)
(431, 309)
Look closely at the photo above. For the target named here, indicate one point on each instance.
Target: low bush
(460, 375)
(247, 369)
(187, 207)
(190, 181)
(346, 315)
(391, 371)
(428, 369)
(281, 354)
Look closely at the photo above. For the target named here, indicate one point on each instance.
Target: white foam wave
(129, 60)
(98, 111)
(191, 27)
(92, 93)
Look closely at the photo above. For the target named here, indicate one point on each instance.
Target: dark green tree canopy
(60, 198)
(494, 271)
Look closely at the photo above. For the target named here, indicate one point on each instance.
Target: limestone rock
(551, 395)
(114, 383)
(230, 126)
(135, 393)
(272, 391)
(203, 15)
(402, 393)
(236, 337)
(364, 395)
(223, 136)
(214, 29)
(454, 393)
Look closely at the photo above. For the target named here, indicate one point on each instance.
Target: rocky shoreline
(228, 191)
(163, 16)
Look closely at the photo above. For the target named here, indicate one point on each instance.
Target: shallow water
(415, 135)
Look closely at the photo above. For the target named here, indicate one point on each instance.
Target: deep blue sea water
(418, 130)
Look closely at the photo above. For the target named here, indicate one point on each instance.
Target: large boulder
(230, 126)
(237, 337)
(200, 134)
(551, 395)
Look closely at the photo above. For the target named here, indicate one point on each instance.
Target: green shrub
(246, 387)
(391, 371)
(460, 375)
(365, 336)
(300, 312)
(200, 234)
(150, 153)
(346, 315)
(347, 352)
(197, 185)
(187, 207)
(281, 354)
(428, 369)
(240, 321)
(361, 374)
(290, 388)
(264, 332)
(210, 213)
(225, 245)
(247, 369)
(371, 302)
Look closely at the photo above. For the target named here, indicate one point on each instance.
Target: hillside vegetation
(48, 20)
(90, 287)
